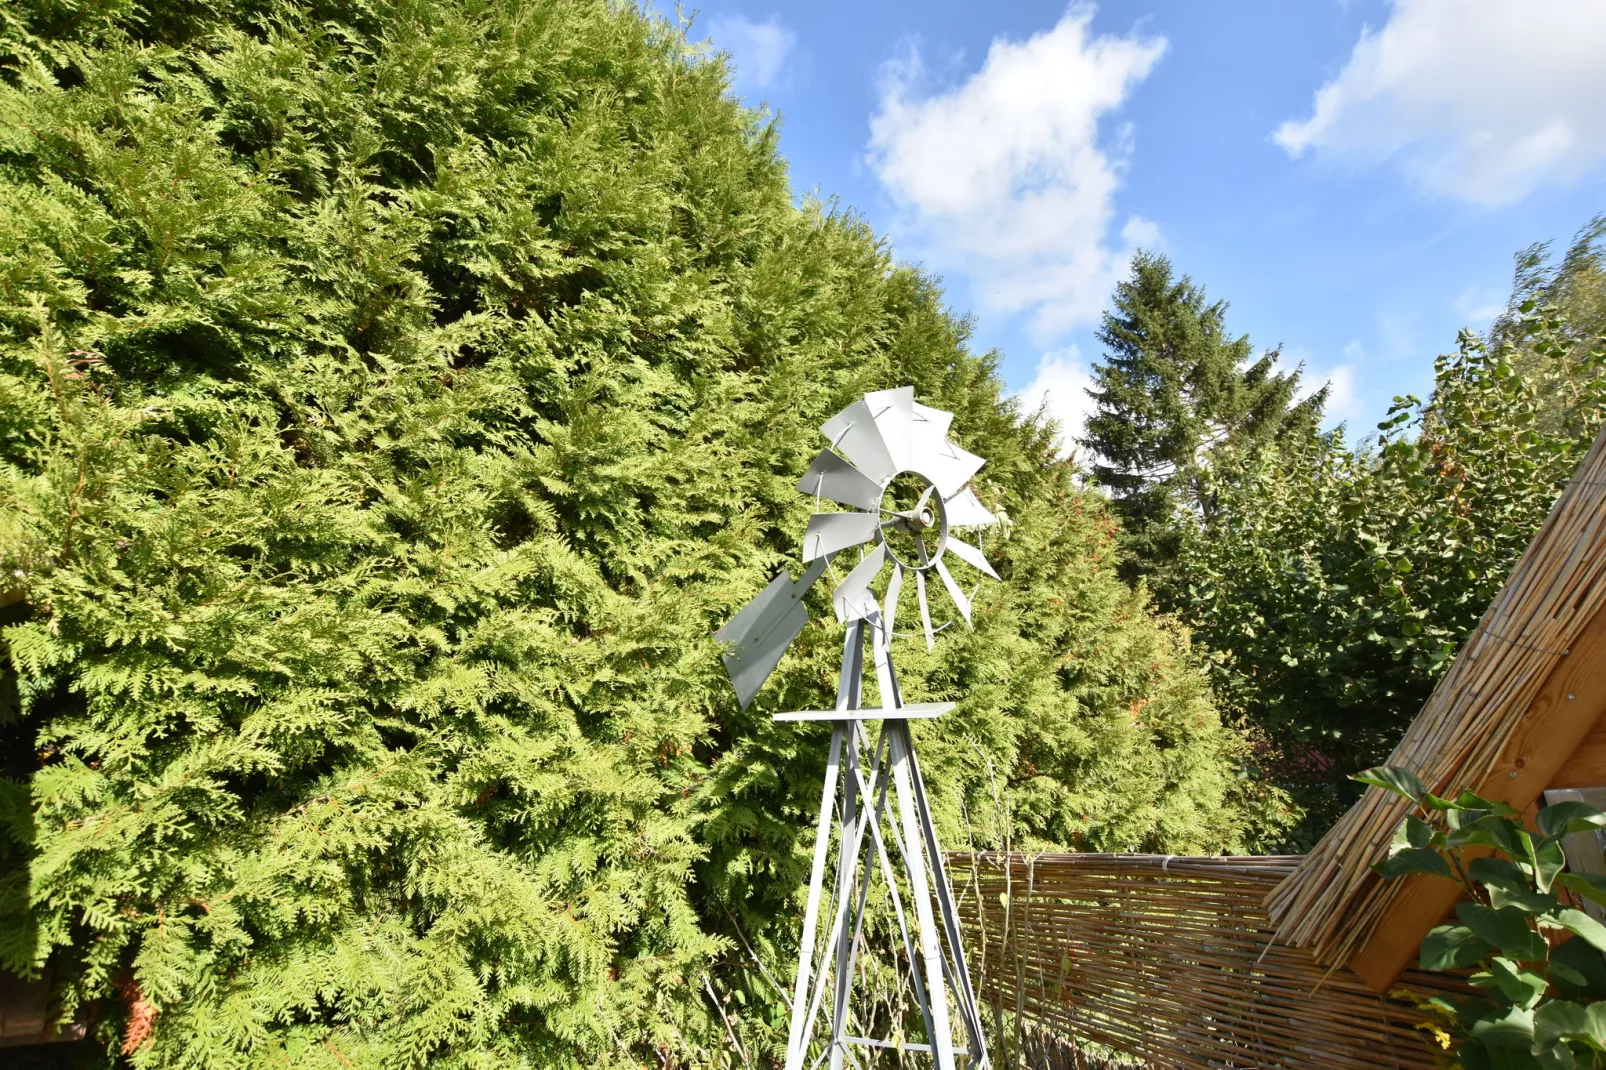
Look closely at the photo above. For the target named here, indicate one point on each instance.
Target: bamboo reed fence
(1332, 902)
(1171, 961)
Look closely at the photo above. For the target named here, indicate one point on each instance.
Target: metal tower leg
(842, 735)
(941, 958)
(942, 1048)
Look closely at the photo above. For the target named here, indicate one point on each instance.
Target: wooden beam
(1586, 766)
(1566, 710)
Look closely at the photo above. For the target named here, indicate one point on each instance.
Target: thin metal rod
(872, 1043)
(931, 951)
(847, 868)
(892, 889)
(847, 696)
(959, 975)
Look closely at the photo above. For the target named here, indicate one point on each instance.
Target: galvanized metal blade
(931, 425)
(949, 468)
(852, 598)
(893, 411)
(965, 510)
(762, 630)
(834, 478)
(894, 590)
(953, 591)
(854, 434)
(830, 532)
(970, 555)
(925, 609)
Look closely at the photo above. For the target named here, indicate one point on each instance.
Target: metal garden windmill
(906, 487)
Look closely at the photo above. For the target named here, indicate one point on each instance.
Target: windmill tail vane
(905, 490)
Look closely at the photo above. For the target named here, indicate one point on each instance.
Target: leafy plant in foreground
(1536, 956)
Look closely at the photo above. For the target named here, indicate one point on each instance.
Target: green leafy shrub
(1341, 583)
(395, 396)
(1546, 1001)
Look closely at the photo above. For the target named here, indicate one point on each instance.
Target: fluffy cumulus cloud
(1482, 100)
(1059, 388)
(758, 50)
(1006, 178)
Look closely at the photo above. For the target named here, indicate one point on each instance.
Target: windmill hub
(914, 524)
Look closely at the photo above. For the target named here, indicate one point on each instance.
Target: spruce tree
(1172, 389)
(395, 397)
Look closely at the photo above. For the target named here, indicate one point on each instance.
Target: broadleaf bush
(1534, 954)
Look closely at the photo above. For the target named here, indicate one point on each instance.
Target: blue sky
(1353, 177)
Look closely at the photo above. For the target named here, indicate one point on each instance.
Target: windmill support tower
(889, 437)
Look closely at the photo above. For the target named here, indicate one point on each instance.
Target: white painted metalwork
(874, 441)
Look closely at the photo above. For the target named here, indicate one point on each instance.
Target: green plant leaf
(1562, 818)
(1506, 928)
(1453, 947)
(1492, 830)
(1581, 925)
(1560, 1020)
(1511, 1028)
(1586, 885)
(1560, 971)
(1418, 833)
(1470, 800)
(1527, 902)
(1522, 987)
(1554, 1057)
(1473, 1055)
(1548, 860)
(1390, 778)
(1501, 873)
(1578, 959)
(1414, 860)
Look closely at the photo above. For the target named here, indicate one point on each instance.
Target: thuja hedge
(394, 398)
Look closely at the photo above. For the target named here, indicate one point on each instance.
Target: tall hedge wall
(394, 397)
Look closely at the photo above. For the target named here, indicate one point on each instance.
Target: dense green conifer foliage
(394, 398)
(1173, 390)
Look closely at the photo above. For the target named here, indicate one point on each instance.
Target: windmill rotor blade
(971, 556)
(829, 533)
(925, 609)
(852, 598)
(949, 468)
(931, 425)
(953, 591)
(893, 412)
(834, 478)
(854, 434)
(965, 510)
(894, 590)
(761, 631)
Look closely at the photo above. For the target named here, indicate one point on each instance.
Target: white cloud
(1004, 177)
(1479, 305)
(758, 50)
(1483, 100)
(1060, 388)
(1343, 403)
